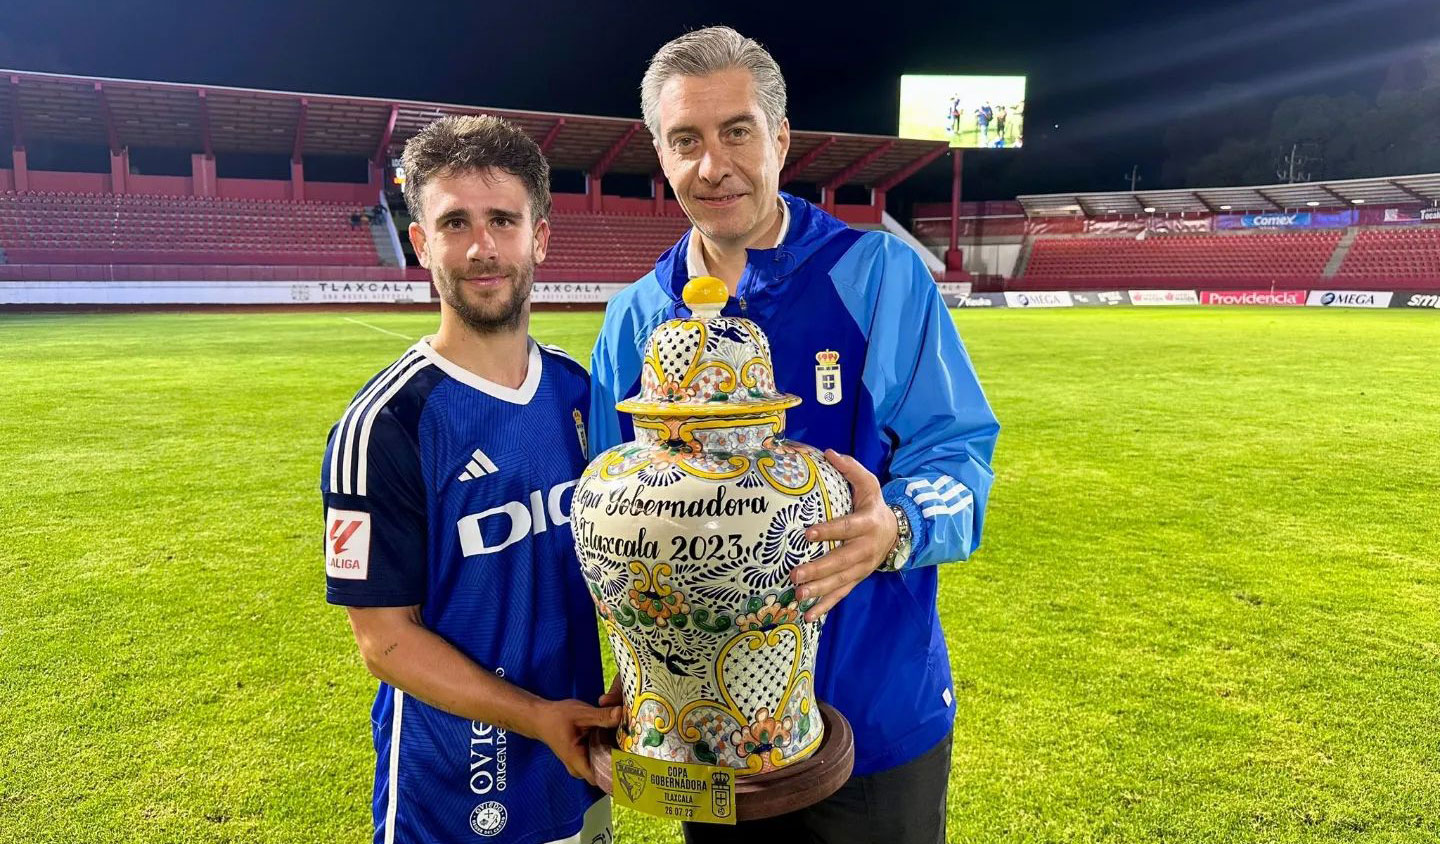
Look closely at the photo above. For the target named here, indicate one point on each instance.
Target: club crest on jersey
(827, 377)
(580, 431)
(488, 819)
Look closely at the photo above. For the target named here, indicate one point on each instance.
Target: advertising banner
(1290, 220)
(1398, 216)
(328, 292)
(1349, 299)
(573, 291)
(1156, 225)
(1100, 298)
(934, 232)
(212, 292)
(1252, 297)
(1039, 299)
(1055, 225)
(954, 288)
(975, 300)
(1429, 300)
(1163, 297)
(1334, 219)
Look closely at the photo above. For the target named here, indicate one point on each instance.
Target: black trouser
(904, 805)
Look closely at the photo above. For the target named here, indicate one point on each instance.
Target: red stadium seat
(1400, 257)
(1230, 259)
(94, 228)
(620, 247)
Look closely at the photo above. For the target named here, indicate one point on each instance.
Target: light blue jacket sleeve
(604, 372)
(615, 362)
(929, 403)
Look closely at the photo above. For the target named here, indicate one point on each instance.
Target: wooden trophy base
(773, 792)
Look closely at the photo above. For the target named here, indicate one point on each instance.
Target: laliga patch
(827, 377)
(347, 544)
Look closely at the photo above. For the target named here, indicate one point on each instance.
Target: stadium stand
(1188, 256)
(123, 225)
(203, 272)
(131, 227)
(619, 244)
(1409, 255)
(1302, 197)
(92, 228)
(1361, 234)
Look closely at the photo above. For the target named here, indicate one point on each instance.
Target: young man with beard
(908, 407)
(447, 489)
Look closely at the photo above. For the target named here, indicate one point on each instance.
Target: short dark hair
(461, 143)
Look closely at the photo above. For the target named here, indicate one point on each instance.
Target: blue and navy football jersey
(451, 492)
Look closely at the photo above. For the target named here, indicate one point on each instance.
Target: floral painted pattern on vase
(687, 536)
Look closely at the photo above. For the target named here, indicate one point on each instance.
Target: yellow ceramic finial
(705, 296)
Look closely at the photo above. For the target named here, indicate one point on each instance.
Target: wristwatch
(899, 553)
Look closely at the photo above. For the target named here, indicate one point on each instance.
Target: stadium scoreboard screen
(970, 112)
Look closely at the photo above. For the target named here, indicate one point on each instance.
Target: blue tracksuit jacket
(910, 409)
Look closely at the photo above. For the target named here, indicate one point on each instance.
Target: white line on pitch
(377, 328)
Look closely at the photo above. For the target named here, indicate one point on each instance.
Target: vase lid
(707, 364)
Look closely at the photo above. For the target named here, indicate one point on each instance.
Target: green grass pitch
(1207, 607)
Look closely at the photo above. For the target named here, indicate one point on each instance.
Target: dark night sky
(1112, 75)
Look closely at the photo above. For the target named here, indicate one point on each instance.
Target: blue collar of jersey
(810, 230)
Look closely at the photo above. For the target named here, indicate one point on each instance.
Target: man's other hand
(866, 536)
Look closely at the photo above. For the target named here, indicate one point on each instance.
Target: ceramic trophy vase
(686, 537)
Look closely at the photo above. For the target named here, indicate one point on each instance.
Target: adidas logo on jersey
(943, 496)
(544, 509)
(479, 466)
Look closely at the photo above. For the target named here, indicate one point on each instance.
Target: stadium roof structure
(211, 119)
(1398, 190)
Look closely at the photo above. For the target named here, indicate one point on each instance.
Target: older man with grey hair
(907, 405)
